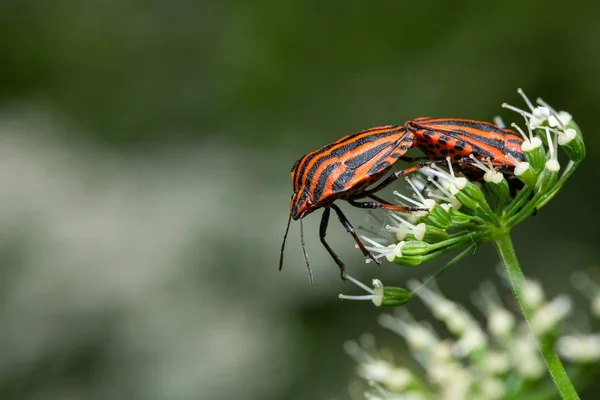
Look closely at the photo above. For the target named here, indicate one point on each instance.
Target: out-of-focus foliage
(144, 158)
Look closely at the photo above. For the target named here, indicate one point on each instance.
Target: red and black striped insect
(344, 169)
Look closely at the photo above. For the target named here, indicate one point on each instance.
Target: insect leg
(310, 274)
(385, 205)
(322, 233)
(351, 231)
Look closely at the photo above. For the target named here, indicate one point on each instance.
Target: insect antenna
(287, 228)
(310, 274)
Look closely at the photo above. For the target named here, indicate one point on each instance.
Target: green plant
(464, 214)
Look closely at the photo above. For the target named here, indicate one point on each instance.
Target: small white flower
(492, 388)
(378, 370)
(580, 349)
(371, 396)
(442, 351)
(418, 231)
(552, 163)
(438, 304)
(500, 322)
(398, 379)
(458, 323)
(471, 340)
(525, 357)
(417, 198)
(443, 373)
(532, 293)
(499, 122)
(389, 252)
(540, 114)
(375, 370)
(458, 385)
(567, 136)
(530, 142)
(375, 294)
(520, 166)
(495, 362)
(561, 118)
(400, 230)
(547, 316)
(491, 175)
(417, 335)
(448, 187)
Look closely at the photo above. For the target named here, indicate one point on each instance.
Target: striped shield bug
(344, 169)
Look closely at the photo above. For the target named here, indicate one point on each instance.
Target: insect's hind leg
(322, 233)
(352, 232)
(383, 204)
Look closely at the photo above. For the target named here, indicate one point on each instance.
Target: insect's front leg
(322, 233)
(351, 231)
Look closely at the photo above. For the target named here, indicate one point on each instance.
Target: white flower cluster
(473, 362)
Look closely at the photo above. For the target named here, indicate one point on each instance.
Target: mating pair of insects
(344, 169)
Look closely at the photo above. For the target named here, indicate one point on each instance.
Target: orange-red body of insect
(345, 168)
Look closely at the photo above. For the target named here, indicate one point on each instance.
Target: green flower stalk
(497, 360)
(464, 214)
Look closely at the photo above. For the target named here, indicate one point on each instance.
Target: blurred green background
(145, 150)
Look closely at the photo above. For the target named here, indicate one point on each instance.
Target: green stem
(475, 238)
(519, 200)
(541, 198)
(468, 251)
(525, 211)
(506, 251)
(571, 167)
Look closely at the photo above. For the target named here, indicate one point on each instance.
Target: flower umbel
(468, 362)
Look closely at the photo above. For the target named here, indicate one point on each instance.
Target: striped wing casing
(346, 166)
(458, 138)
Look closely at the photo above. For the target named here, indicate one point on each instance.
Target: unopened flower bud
(525, 173)
(535, 154)
(409, 261)
(415, 248)
(468, 189)
(549, 175)
(438, 217)
(572, 142)
(472, 198)
(395, 296)
(458, 218)
(532, 147)
(547, 178)
(499, 186)
(434, 235)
